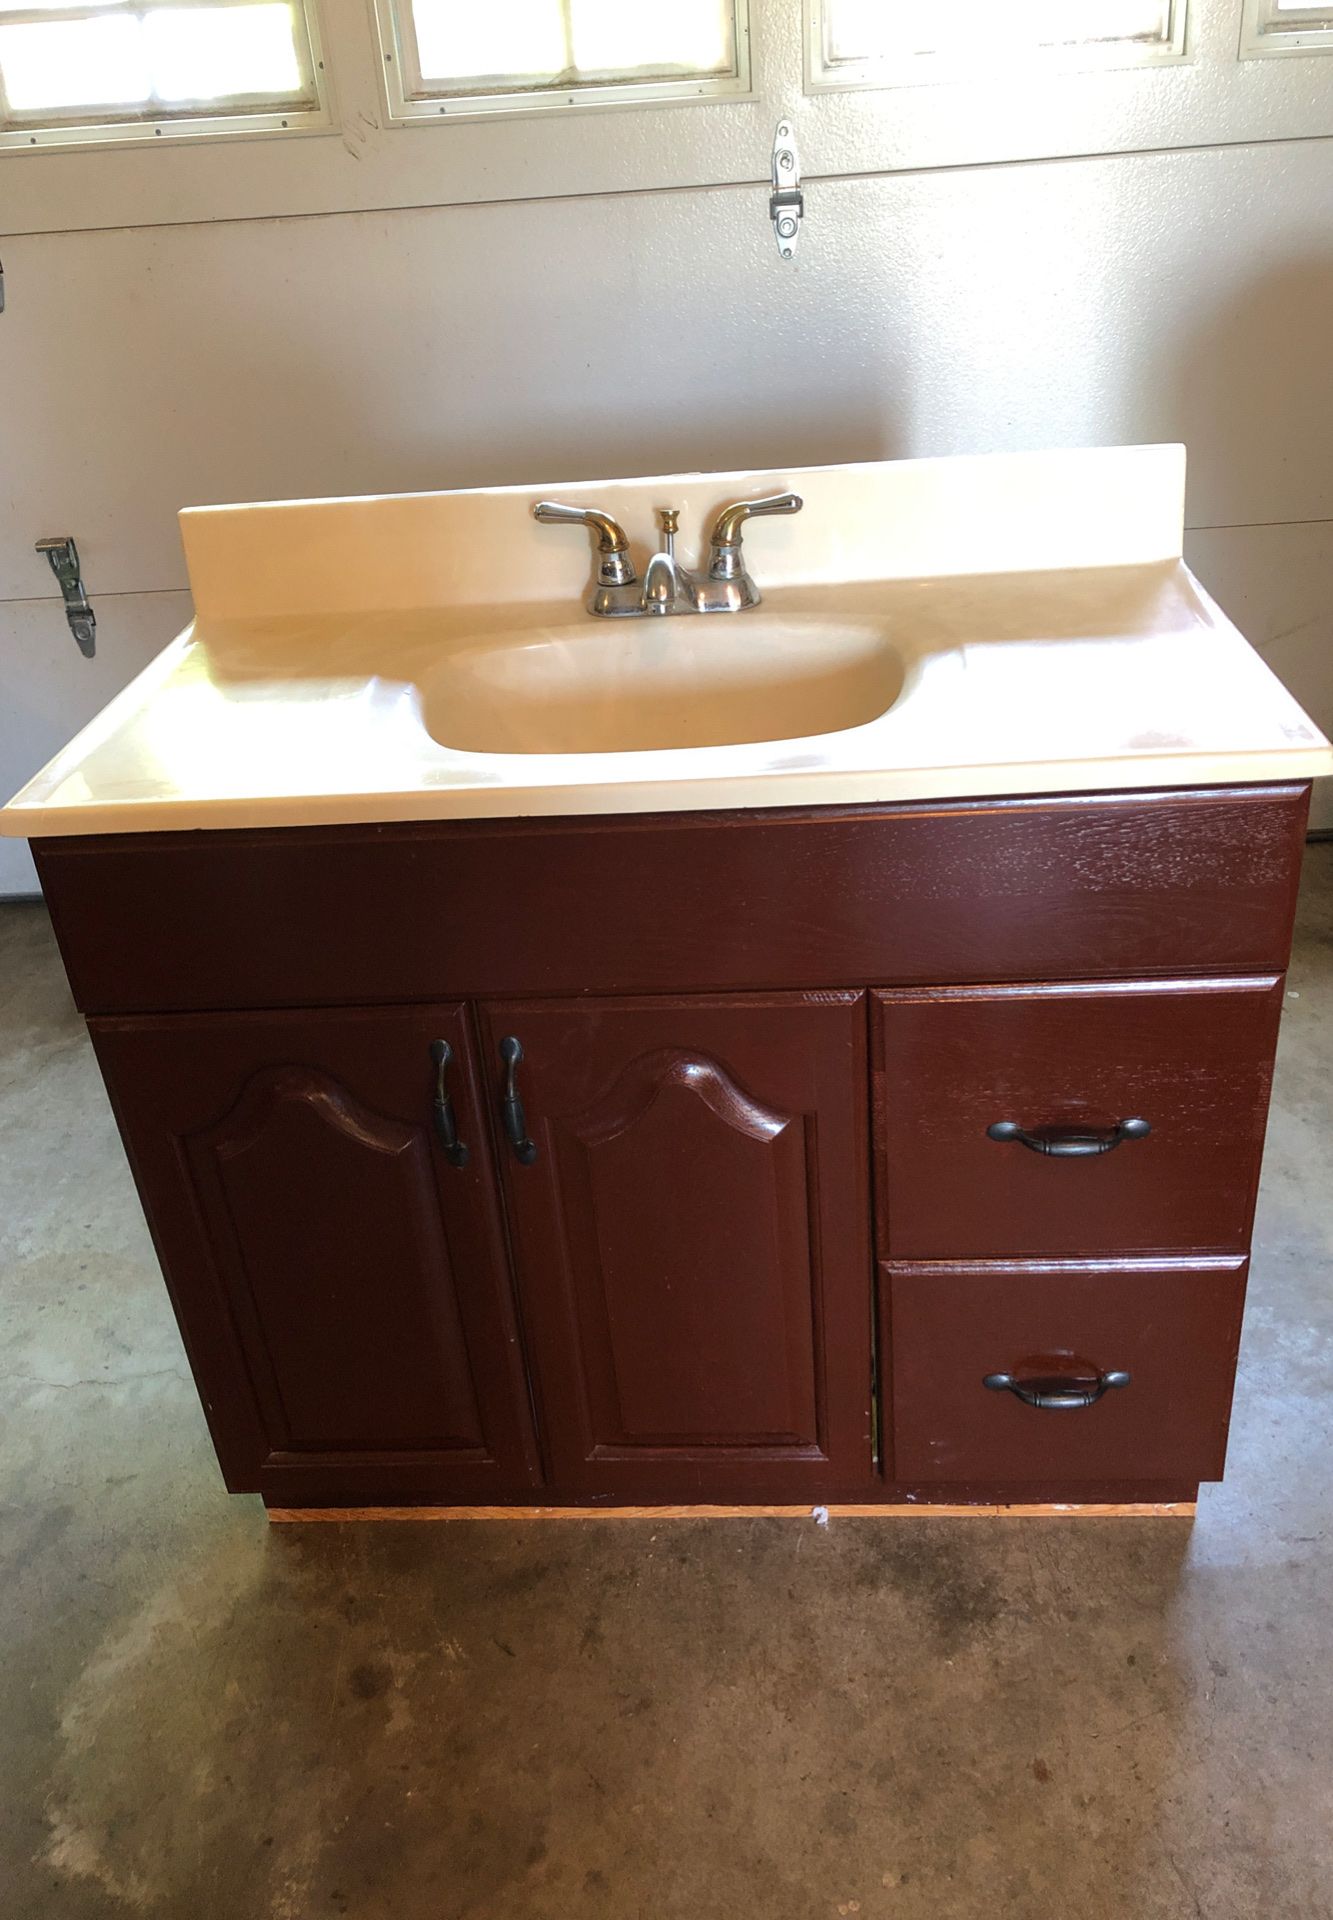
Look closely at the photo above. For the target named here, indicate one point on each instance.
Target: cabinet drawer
(1068, 1065)
(1171, 1326)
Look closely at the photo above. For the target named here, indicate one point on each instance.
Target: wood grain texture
(1080, 886)
(1174, 1326)
(693, 1245)
(691, 1242)
(1192, 1057)
(342, 1290)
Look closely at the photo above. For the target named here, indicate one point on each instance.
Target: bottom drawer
(1064, 1334)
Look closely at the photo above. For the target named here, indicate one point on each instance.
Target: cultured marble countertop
(1050, 679)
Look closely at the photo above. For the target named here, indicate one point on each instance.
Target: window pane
(617, 36)
(73, 63)
(873, 29)
(208, 53)
(458, 40)
(54, 6)
(513, 45)
(128, 64)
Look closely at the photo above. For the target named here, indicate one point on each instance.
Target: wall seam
(144, 593)
(748, 185)
(94, 594)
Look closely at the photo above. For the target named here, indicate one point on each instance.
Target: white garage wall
(48, 690)
(1177, 295)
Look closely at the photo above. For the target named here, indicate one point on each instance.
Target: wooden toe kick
(1054, 1510)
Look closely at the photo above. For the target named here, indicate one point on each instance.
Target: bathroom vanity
(817, 1054)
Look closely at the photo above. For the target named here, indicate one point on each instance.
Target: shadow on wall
(1254, 399)
(676, 343)
(1253, 391)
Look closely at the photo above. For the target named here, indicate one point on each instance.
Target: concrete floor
(205, 1718)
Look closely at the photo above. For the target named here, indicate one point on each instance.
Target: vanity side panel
(1072, 887)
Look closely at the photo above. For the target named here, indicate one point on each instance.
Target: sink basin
(930, 630)
(632, 686)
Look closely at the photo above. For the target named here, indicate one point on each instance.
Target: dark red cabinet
(731, 1026)
(692, 1241)
(340, 1282)
(1171, 1326)
(1192, 1058)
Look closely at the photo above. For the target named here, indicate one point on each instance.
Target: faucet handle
(727, 526)
(615, 568)
(726, 559)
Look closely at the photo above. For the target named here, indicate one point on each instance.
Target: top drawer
(1066, 1066)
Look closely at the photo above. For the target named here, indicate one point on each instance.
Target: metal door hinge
(786, 208)
(64, 557)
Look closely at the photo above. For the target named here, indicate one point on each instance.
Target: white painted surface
(48, 690)
(1088, 303)
(869, 673)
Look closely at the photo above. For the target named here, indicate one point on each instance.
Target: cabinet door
(691, 1236)
(339, 1277)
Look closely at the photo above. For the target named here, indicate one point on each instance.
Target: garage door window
(451, 57)
(72, 73)
(905, 42)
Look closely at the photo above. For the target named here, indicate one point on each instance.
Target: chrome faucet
(667, 588)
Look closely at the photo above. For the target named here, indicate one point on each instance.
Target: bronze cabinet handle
(515, 1120)
(1069, 1143)
(1057, 1393)
(442, 1107)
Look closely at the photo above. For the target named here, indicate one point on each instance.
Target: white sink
(930, 630)
(627, 686)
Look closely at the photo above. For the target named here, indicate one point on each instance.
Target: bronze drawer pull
(1057, 1393)
(515, 1121)
(1069, 1143)
(442, 1110)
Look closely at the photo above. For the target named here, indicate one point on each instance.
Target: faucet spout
(665, 586)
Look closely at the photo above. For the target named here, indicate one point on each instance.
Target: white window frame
(184, 123)
(826, 75)
(408, 104)
(1267, 33)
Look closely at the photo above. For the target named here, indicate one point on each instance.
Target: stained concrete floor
(205, 1718)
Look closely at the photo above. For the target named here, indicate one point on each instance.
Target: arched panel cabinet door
(686, 1186)
(322, 1196)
